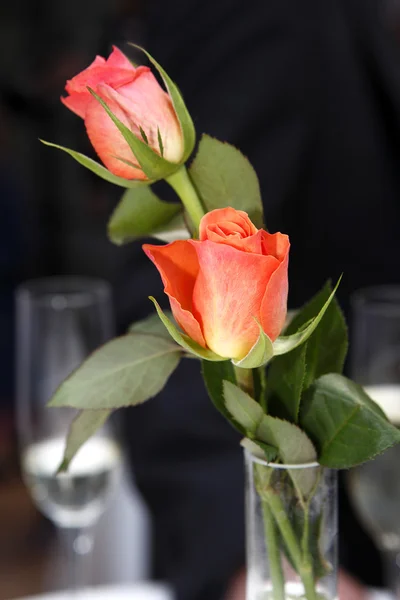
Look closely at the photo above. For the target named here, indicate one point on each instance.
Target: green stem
(301, 562)
(180, 181)
(244, 379)
(307, 577)
(284, 525)
(274, 556)
(263, 385)
(306, 532)
(308, 574)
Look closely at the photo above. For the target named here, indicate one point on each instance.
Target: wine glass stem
(77, 544)
(392, 571)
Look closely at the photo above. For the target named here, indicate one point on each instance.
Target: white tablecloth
(379, 595)
(136, 591)
(143, 591)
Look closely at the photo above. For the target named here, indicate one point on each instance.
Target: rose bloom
(221, 285)
(136, 98)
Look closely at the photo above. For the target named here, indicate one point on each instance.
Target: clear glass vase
(291, 531)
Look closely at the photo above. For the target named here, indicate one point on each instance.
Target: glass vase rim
(64, 291)
(378, 299)
(282, 466)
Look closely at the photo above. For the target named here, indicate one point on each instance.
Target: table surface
(137, 591)
(143, 591)
(379, 595)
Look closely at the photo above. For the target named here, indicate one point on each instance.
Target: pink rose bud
(136, 99)
(225, 284)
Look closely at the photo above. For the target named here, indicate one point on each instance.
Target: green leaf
(84, 425)
(259, 354)
(140, 213)
(246, 411)
(347, 427)
(284, 344)
(327, 345)
(176, 229)
(285, 383)
(293, 444)
(184, 340)
(152, 325)
(260, 449)
(126, 371)
(324, 352)
(98, 169)
(224, 177)
(214, 374)
(184, 118)
(294, 447)
(154, 166)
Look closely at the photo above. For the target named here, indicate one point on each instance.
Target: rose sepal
(184, 340)
(97, 168)
(260, 353)
(264, 350)
(286, 343)
(184, 118)
(153, 165)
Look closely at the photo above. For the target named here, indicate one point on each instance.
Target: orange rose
(221, 286)
(136, 99)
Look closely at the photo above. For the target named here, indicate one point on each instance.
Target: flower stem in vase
(275, 518)
(274, 555)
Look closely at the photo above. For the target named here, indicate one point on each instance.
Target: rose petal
(226, 216)
(116, 71)
(98, 61)
(178, 266)
(227, 296)
(275, 244)
(274, 304)
(97, 75)
(119, 60)
(252, 243)
(150, 107)
(70, 85)
(108, 141)
(78, 103)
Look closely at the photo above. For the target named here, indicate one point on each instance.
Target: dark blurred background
(309, 91)
(53, 221)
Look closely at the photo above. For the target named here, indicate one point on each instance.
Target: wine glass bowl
(60, 321)
(375, 358)
(78, 497)
(374, 487)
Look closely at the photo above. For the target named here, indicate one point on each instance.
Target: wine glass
(59, 322)
(375, 362)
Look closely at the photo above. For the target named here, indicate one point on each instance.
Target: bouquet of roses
(226, 277)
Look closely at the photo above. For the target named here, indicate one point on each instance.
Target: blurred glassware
(59, 322)
(143, 590)
(375, 363)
